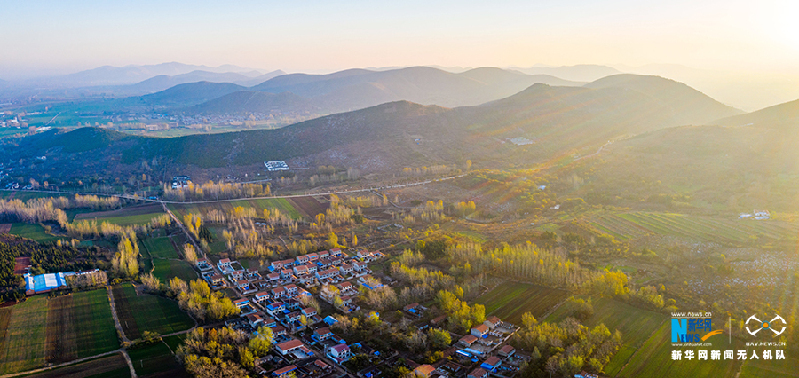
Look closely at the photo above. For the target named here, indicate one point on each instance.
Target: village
(305, 345)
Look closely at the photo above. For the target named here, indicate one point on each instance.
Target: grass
(32, 231)
(161, 248)
(218, 245)
(636, 326)
(152, 359)
(24, 345)
(165, 270)
(653, 359)
(510, 300)
(140, 313)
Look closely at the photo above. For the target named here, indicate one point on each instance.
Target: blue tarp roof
(48, 281)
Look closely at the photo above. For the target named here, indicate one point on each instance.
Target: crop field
(24, 345)
(730, 231)
(164, 270)
(788, 367)
(24, 196)
(310, 206)
(218, 245)
(154, 359)
(636, 326)
(161, 248)
(285, 206)
(139, 313)
(510, 300)
(174, 341)
(125, 216)
(79, 325)
(113, 366)
(653, 359)
(32, 231)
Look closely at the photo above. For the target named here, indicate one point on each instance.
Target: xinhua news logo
(777, 325)
(692, 327)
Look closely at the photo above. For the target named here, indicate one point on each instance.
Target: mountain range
(534, 125)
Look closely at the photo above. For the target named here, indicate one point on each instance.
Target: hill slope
(779, 117)
(688, 105)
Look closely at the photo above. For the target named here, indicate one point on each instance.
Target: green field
(510, 300)
(218, 245)
(161, 248)
(653, 359)
(32, 231)
(728, 231)
(636, 326)
(174, 341)
(126, 216)
(166, 269)
(139, 313)
(24, 196)
(154, 359)
(788, 367)
(56, 330)
(285, 206)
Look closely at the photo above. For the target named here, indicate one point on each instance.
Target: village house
(224, 265)
(278, 292)
(323, 263)
(309, 312)
(480, 331)
(492, 322)
(300, 270)
(291, 289)
(327, 274)
(360, 266)
(273, 277)
(322, 334)
(253, 274)
(507, 351)
(255, 320)
(335, 252)
(217, 280)
(203, 264)
(260, 296)
(424, 370)
(302, 260)
(346, 269)
(313, 256)
(285, 371)
(275, 308)
(467, 341)
(279, 331)
(478, 373)
(295, 347)
(243, 285)
(323, 254)
(491, 363)
(340, 353)
(242, 302)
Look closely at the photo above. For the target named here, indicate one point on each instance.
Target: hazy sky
(299, 35)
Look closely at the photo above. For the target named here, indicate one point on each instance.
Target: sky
(56, 37)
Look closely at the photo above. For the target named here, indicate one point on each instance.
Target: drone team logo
(755, 325)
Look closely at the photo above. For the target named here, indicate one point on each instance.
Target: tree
(439, 338)
(332, 240)
(354, 241)
(151, 282)
(189, 253)
(262, 342)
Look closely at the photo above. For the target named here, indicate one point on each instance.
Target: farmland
(510, 300)
(771, 368)
(56, 330)
(32, 231)
(727, 231)
(653, 359)
(153, 359)
(113, 366)
(636, 326)
(166, 269)
(285, 206)
(125, 216)
(139, 313)
(161, 248)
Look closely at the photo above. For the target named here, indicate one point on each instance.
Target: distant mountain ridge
(558, 121)
(780, 116)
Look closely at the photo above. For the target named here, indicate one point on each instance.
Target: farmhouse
(480, 331)
(478, 373)
(284, 371)
(340, 353)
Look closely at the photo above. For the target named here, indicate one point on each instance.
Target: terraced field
(510, 300)
(726, 231)
(139, 313)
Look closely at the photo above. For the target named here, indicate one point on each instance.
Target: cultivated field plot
(24, 345)
(32, 231)
(218, 245)
(653, 359)
(285, 206)
(155, 359)
(310, 206)
(161, 248)
(788, 367)
(57, 330)
(5, 228)
(729, 231)
(113, 366)
(125, 216)
(510, 300)
(25, 196)
(165, 270)
(636, 326)
(139, 313)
